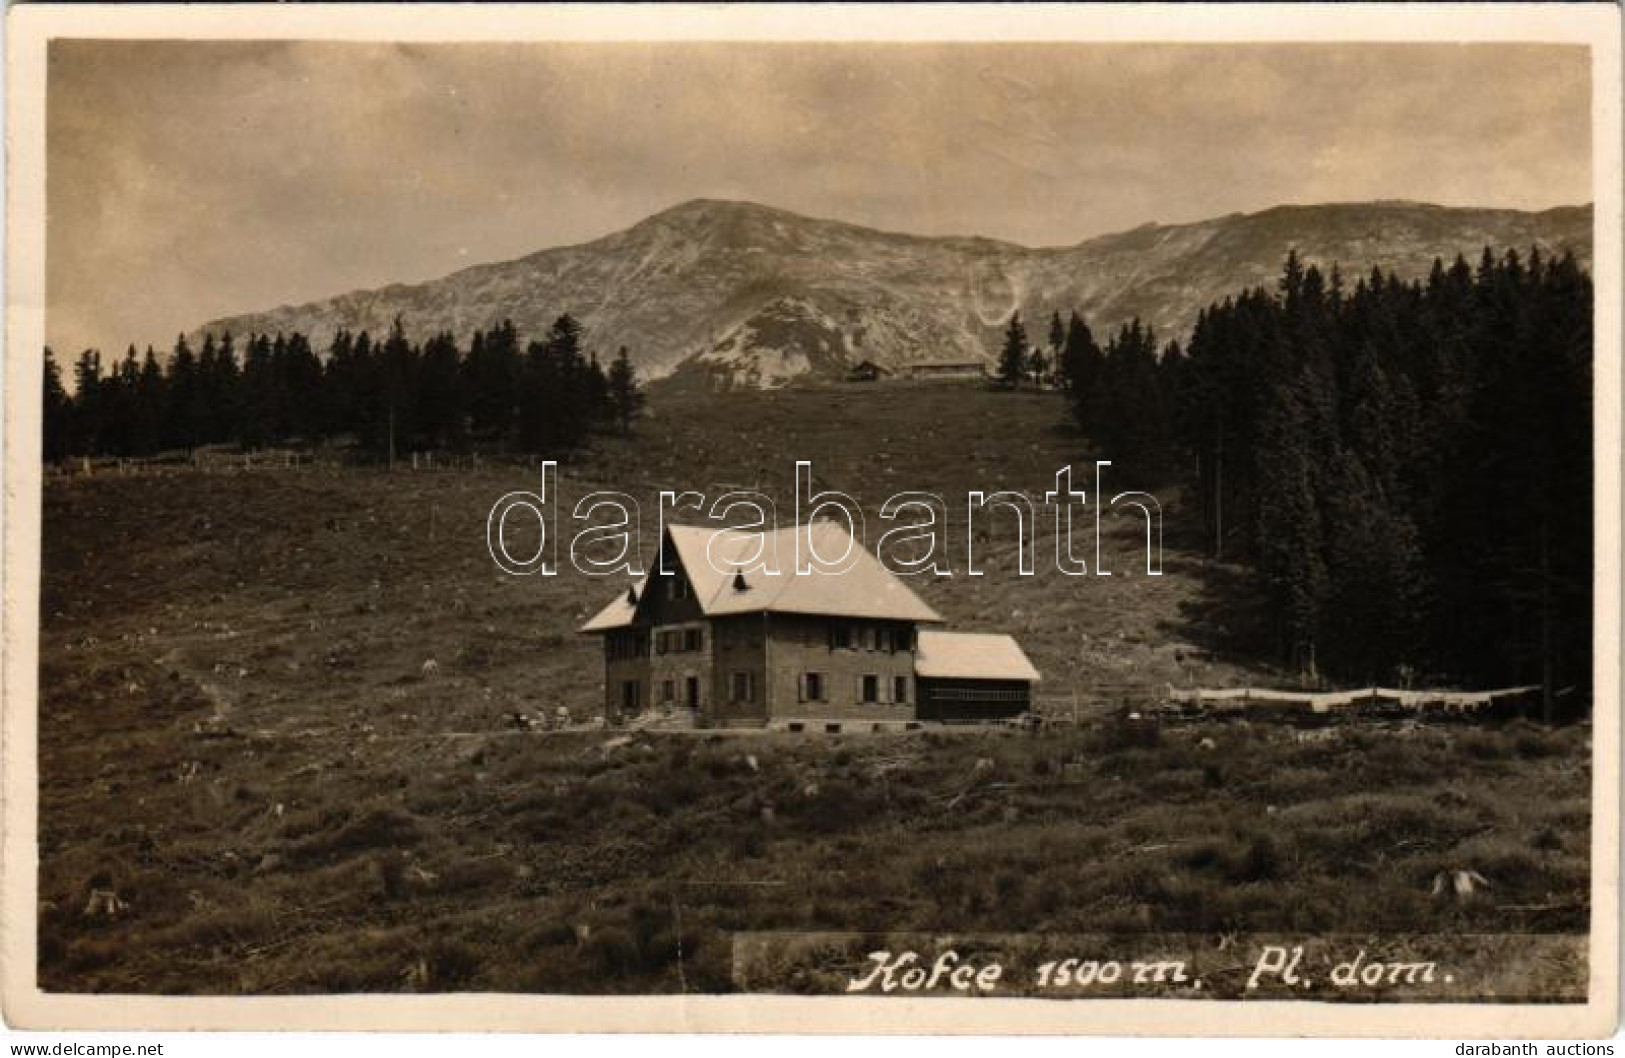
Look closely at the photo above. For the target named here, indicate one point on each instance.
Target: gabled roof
(619, 613)
(867, 590)
(970, 656)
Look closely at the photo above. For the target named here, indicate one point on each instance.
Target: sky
(192, 180)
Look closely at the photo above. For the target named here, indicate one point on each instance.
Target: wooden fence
(1371, 700)
(230, 461)
(1104, 701)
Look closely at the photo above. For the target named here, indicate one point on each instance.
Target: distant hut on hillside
(867, 371)
(969, 368)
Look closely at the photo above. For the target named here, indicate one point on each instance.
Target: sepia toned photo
(767, 525)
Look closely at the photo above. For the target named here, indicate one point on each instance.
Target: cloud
(189, 180)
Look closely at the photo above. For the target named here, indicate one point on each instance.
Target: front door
(691, 692)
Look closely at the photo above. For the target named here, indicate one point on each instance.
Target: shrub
(376, 828)
(491, 872)
(646, 922)
(747, 843)
(1532, 746)
(1482, 745)
(612, 952)
(390, 872)
(670, 790)
(1260, 862)
(452, 963)
(551, 935)
(1122, 733)
(1202, 857)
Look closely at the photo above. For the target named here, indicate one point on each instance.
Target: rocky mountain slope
(739, 294)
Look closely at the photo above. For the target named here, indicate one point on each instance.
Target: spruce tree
(220, 383)
(182, 396)
(148, 406)
(1013, 357)
(56, 442)
(442, 405)
(88, 431)
(398, 363)
(1079, 367)
(493, 373)
(258, 388)
(1057, 336)
(625, 396)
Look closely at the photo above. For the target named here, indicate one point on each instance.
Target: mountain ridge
(744, 294)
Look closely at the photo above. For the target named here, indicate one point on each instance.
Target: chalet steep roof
(867, 590)
(619, 613)
(971, 656)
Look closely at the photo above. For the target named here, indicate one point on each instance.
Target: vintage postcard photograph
(813, 519)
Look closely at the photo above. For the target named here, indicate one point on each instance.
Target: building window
(871, 689)
(900, 690)
(631, 696)
(624, 646)
(902, 639)
(812, 687)
(840, 637)
(743, 691)
(679, 640)
(677, 586)
(668, 691)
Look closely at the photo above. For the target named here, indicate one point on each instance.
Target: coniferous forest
(384, 394)
(1406, 468)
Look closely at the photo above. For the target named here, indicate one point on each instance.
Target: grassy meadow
(242, 737)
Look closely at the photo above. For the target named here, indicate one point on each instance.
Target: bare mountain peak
(718, 206)
(722, 211)
(744, 293)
